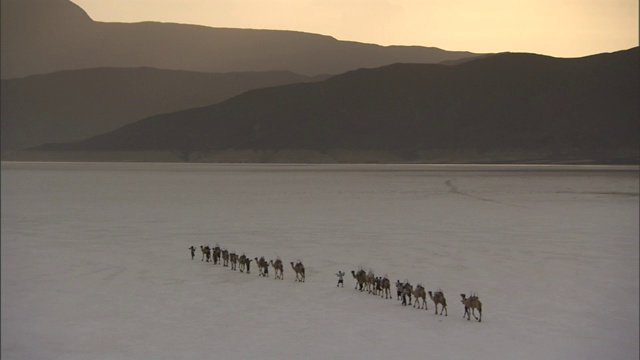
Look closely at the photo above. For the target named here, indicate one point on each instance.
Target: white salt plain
(95, 262)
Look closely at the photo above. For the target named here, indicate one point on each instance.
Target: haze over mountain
(76, 104)
(515, 107)
(42, 36)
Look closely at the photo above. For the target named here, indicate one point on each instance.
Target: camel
(233, 257)
(216, 254)
(407, 290)
(378, 286)
(438, 298)
(386, 288)
(419, 293)
(225, 258)
(263, 267)
(242, 260)
(278, 268)
(299, 270)
(471, 303)
(206, 252)
(371, 282)
(361, 278)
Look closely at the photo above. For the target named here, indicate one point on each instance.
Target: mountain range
(43, 36)
(75, 104)
(95, 91)
(501, 108)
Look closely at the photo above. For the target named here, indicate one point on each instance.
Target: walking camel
(233, 257)
(299, 270)
(386, 288)
(225, 258)
(278, 269)
(216, 254)
(242, 260)
(419, 293)
(263, 267)
(438, 298)
(473, 303)
(371, 282)
(361, 278)
(407, 291)
(206, 252)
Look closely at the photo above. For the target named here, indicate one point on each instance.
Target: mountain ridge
(73, 104)
(511, 102)
(37, 41)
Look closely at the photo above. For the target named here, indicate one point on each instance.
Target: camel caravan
(242, 263)
(365, 281)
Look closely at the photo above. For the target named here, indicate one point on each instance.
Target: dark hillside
(75, 104)
(42, 36)
(588, 107)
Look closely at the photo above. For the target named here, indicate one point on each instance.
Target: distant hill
(76, 104)
(502, 108)
(42, 36)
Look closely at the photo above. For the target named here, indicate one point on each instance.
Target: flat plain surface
(95, 262)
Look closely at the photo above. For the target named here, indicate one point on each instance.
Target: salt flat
(95, 261)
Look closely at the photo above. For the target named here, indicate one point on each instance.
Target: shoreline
(337, 156)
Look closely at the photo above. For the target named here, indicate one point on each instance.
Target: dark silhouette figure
(340, 276)
(216, 255)
(193, 251)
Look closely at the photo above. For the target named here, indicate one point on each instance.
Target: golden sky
(562, 28)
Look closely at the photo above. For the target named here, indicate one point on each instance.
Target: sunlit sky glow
(562, 28)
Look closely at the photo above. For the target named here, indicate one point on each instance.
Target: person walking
(340, 276)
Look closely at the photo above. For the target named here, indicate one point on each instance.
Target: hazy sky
(563, 28)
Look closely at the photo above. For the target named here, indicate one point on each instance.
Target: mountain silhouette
(42, 36)
(548, 108)
(76, 104)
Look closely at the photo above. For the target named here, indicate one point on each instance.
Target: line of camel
(364, 281)
(221, 256)
(404, 291)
